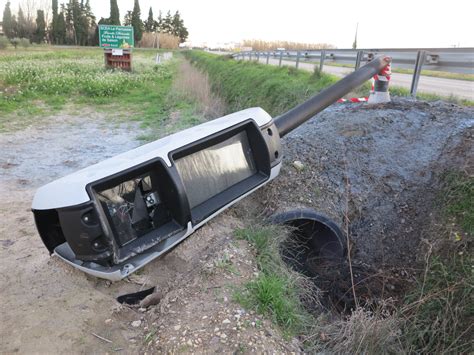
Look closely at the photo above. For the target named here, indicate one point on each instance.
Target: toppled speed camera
(113, 217)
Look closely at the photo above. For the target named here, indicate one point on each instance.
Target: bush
(24, 42)
(15, 42)
(4, 42)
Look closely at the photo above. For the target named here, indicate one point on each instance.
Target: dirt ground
(383, 162)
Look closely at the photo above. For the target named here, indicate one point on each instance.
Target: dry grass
(164, 40)
(364, 332)
(259, 45)
(438, 313)
(194, 84)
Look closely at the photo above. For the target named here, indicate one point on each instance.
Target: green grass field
(42, 81)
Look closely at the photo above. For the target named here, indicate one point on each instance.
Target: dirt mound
(375, 171)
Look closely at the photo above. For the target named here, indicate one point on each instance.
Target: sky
(389, 24)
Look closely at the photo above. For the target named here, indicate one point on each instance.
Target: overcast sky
(401, 23)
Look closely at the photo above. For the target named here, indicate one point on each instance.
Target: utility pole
(354, 45)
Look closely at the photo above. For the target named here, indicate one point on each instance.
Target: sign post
(117, 42)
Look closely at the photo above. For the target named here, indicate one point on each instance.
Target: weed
(458, 199)
(276, 292)
(225, 263)
(317, 73)
(439, 311)
(241, 349)
(149, 337)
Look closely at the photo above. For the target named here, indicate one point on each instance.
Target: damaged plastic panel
(141, 207)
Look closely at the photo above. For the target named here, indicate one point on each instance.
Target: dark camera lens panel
(134, 207)
(212, 170)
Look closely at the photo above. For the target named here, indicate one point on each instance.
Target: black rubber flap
(135, 298)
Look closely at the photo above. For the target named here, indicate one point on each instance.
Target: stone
(298, 165)
(136, 323)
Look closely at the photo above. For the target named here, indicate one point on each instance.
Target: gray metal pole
(303, 112)
(359, 56)
(281, 57)
(258, 57)
(250, 56)
(297, 59)
(420, 60)
(321, 61)
(268, 57)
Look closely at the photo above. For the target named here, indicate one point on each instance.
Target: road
(444, 87)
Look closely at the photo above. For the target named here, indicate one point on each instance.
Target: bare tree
(30, 7)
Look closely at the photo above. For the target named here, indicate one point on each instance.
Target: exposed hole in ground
(315, 247)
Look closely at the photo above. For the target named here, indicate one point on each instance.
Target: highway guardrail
(453, 60)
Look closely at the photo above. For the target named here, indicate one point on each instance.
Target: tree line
(73, 23)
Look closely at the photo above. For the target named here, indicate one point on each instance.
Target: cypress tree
(68, 17)
(114, 13)
(40, 27)
(80, 22)
(22, 24)
(61, 29)
(54, 22)
(8, 22)
(137, 23)
(91, 24)
(150, 22)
